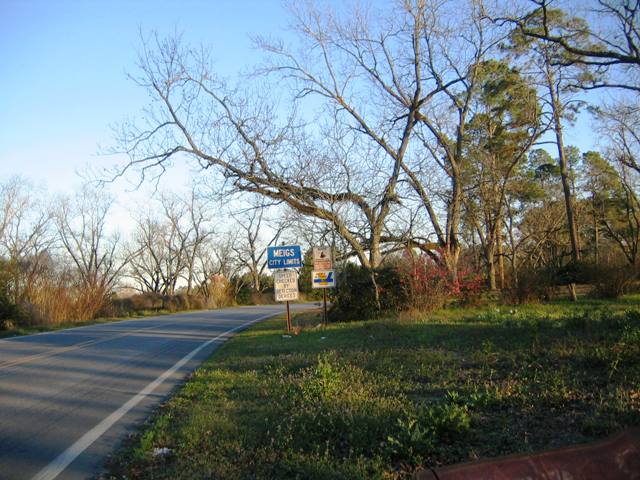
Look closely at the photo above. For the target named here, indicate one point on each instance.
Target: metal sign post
(324, 301)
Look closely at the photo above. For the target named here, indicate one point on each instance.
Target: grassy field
(380, 399)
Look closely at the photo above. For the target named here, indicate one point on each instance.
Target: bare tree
(219, 268)
(165, 248)
(384, 79)
(625, 229)
(616, 183)
(619, 122)
(241, 138)
(251, 248)
(189, 226)
(81, 223)
(25, 236)
(386, 74)
(147, 251)
(345, 63)
(455, 48)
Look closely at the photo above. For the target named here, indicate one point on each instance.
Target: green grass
(380, 399)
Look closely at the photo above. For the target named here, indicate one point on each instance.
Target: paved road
(68, 398)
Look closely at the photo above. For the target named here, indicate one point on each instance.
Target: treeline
(420, 138)
(432, 127)
(63, 260)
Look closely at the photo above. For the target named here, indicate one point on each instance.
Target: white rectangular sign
(285, 284)
(322, 258)
(324, 279)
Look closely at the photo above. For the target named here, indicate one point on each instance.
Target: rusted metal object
(617, 458)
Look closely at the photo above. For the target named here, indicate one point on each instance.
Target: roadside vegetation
(424, 141)
(427, 144)
(382, 398)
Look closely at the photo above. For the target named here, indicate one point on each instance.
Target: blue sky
(64, 64)
(63, 77)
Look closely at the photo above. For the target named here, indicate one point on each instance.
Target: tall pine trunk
(556, 106)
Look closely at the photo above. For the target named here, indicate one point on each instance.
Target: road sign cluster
(284, 257)
(285, 281)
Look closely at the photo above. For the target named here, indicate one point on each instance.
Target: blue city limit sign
(286, 256)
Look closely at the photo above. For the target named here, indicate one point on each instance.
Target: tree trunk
(190, 282)
(255, 277)
(452, 248)
(596, 239)
(564, 175)
(500, 251)
(566, 187)
(491, 268)
(375, 259)
(376, 290)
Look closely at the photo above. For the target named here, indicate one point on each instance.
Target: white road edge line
(57, 466)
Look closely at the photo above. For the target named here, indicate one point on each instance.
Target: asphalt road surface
(68, 398)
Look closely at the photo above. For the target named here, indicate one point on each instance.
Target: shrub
(196, 302)
(430, 286)
(261, 298)
(171, 303)
(427, 284)
(609, 281)
(146, 301)
(393, 297)
(304, 279)
(566, 274)
(8, 310)
(532, 286)
(355, 297)
(51, 301)
(220, 292)
(469, 286)
(7, 324)
(153, 301)
(405, 283)
(88, 302)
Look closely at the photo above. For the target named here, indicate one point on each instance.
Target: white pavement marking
(57, 466)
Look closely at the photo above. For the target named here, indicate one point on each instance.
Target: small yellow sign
(323, 279)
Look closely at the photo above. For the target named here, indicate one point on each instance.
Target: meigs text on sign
(286, 256)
